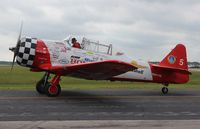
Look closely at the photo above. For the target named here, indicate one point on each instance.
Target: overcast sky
(145, 29)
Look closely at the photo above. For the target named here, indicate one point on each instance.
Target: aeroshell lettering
(77, 59)
(138, 71)
(88, 60)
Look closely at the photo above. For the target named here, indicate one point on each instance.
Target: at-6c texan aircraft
(95, 61)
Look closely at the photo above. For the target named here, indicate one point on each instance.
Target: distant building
(193, 64)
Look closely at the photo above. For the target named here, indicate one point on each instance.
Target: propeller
(16, 48)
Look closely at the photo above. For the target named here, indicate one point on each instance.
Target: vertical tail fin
(177, 58)
(173, 68)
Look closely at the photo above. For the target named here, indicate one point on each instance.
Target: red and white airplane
(95, 61)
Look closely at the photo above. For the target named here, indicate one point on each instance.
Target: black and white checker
(26, 52)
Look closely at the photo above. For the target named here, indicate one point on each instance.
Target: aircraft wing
(94, 70)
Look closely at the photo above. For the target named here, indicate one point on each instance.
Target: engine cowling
(26, 51)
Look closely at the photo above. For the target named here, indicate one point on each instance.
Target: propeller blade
(19, 37)
(16, 49)
(13, 62)
(20, 32)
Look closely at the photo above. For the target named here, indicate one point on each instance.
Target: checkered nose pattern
(26, 52)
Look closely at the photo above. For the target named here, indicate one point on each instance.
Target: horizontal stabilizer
(171, 69)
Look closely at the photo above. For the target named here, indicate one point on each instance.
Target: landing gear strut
(51, 89)
(165, 89)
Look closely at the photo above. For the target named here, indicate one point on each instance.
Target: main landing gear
(165, 89)
(52, 88)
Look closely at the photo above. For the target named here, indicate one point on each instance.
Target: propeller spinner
(16, 48)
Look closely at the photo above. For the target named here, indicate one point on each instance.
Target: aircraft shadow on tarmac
(115, 98)
(95, 98)
(110, 94)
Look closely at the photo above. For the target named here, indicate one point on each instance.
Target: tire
(40, 87)
(164, 90)
(52, 91)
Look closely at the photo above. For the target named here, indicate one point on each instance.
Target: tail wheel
(52, 91)
(164, 90)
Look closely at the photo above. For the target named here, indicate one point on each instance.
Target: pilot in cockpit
(75, 44)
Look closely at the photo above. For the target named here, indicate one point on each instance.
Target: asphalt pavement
(23, 105)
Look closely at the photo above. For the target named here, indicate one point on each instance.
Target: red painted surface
(55, 80)
(162, 75)
(180, 60)
(53, 89)
(42, 57)
(173, 68)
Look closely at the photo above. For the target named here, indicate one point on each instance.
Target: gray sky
(145, 29)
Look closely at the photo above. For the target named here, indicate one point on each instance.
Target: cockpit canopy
(91, 45)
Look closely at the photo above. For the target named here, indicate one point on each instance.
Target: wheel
(164, 90)
(40, 87)
(52, 91)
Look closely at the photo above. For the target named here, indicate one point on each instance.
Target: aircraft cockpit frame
(90, 45)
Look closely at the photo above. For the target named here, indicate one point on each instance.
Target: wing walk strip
(97, 97)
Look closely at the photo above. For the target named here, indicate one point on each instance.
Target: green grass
(22, 78)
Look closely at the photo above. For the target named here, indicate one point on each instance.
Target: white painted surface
(61, 54)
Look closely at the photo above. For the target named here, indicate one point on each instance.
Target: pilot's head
(74, 40)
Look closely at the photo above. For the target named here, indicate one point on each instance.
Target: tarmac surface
(103, 124)
(18, 105)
